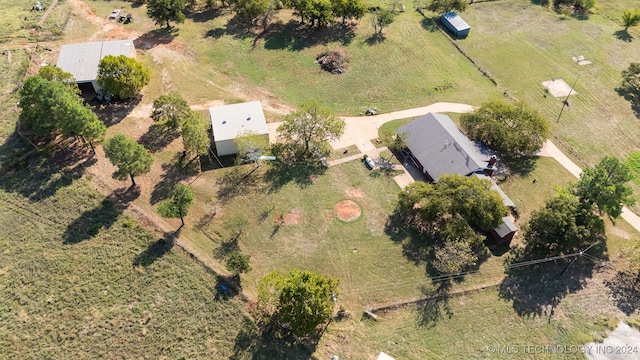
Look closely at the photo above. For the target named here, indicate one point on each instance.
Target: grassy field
(19, 23)
(80, 279)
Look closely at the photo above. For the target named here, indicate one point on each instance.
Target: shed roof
(441, 148)
(506, 227)
(82, 59)
(456, 21)
(229, 121)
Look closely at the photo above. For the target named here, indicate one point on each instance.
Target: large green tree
(122, 76)
(311, 127)
(250, 145)
(348, 9)
(195, 137)
(562, 226)
(444, 6)
(53, 108)
(630, 87)
(605, 187)
(130, 157)
(165, 11)
(252, 10)
(509, 129)
(170, 109)
(178, 206)
(54, 73)
(381, 19)
(455, 249)
(300, 300)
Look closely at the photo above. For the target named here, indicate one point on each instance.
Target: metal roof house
(82, 59)
(455, 24)
(436, 146)
(229, 121)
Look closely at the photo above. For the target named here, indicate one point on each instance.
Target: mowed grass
(78, 279)
(370, 266)
(522, 44)
(478, 320)
(19, 23)
(13, 64)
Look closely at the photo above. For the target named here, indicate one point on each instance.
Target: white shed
(82, 59)
(229, 121)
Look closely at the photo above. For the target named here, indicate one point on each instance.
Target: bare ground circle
(347, 210)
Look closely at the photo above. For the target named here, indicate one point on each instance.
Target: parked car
(369, 163)
(114, 14)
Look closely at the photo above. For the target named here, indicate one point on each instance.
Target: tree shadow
(237, 27)
(237, 181)
(625, 290)
(375, 39)
(430, 24)
(521, 165)
(296, 37)
(226, 247)
(205, 15)
(173, 174)
(227, 287)
(435, 306)
(158, 137)
(155, 37)
(114, 112)
(536, 288)
(293, 165)
(631, 97)
(157, 249)
(266, 341)
(623, 35)
(38, 177)
(100, 217)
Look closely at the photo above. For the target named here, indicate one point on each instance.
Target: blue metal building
(455, 24)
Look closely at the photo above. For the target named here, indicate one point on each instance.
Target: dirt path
(46, 13)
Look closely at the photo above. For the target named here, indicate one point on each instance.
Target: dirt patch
(354, 193)
(558, 88)
(291, 218)
(347, 210)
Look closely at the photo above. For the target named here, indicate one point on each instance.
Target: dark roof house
(437, 147)
(455, 24)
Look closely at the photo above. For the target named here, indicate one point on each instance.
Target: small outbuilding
(455, 24)
(230, 121)
(82, 59)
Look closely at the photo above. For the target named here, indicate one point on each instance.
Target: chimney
(492, 160)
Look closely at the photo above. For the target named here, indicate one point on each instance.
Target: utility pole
(565, 102)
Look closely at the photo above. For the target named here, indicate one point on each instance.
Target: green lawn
(18, 22)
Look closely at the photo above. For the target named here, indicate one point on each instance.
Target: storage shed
(82, 59)
(229, 121)
(455, 24)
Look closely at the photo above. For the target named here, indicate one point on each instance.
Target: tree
(195, 138)
(238, 263)
(630, 18)
(130, 157)
(171, 109)
(630, 87)
(53, 108)
(251, 144)
(54, 73)
(509, 129)
(311, 127)
(320, 13)
(381, 19)
(178, 206)
(299, 301)
(605, 187)
(165, 11)
(348, 9)
(454, 251)
(302, 8)
(444, 6)
(252, 9)
(122, 76)
(562, 226)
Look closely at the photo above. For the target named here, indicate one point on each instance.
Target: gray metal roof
(441, 148)
(228, 121)
(507, 226)
(456, 21)
(82, 59)
(505, 199)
